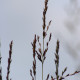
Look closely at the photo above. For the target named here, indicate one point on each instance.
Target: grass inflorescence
(41, 52)
(9, 61)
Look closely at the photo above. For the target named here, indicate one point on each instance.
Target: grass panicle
(9, 61)
(58, 77)
(41, 52)
(57, 60)
(34, 59)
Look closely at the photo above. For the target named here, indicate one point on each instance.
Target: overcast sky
(21, 19)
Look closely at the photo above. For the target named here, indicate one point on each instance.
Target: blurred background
(21, 19)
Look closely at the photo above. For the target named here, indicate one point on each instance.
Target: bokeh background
(21, 19)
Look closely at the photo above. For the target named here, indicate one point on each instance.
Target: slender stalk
(57, 71)
(42, 58)
(42, 70)
(35, 77)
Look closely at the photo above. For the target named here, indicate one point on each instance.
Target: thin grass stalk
(42, 58)
(42, 70)
(35, 77)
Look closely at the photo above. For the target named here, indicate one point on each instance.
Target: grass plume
(41, 52)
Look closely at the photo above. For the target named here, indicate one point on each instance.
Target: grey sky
(19, 21)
